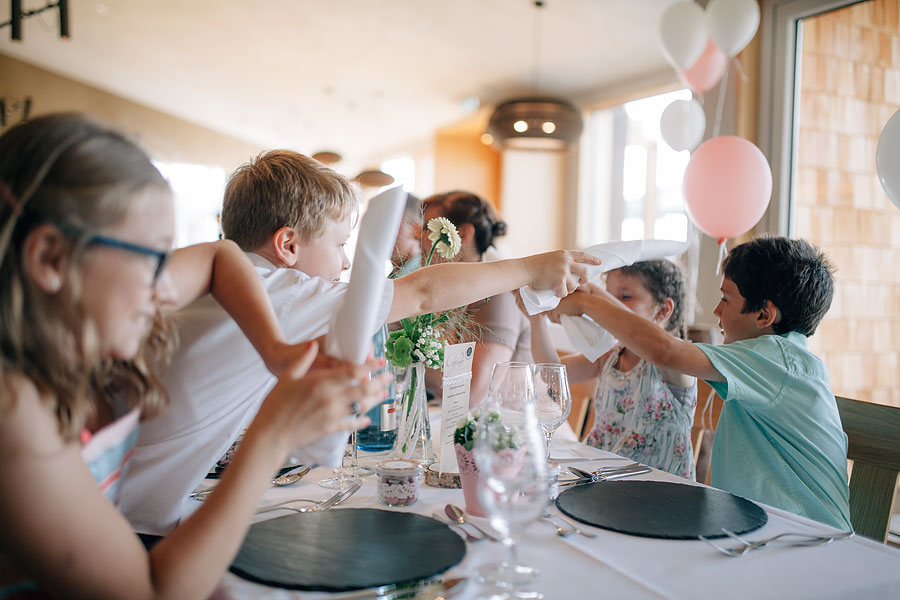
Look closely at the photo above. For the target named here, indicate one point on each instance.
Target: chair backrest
(873, 433)
(582, 393)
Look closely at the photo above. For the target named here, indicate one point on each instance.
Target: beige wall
(850, 86)
(462, 162)
(534, 185)
(165, 137)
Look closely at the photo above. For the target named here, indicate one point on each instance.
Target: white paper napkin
(355, 321)
(585, 334)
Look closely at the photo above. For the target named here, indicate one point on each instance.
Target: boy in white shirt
(292, 216)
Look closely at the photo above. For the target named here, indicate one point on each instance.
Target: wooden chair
(873, 433)
(581, 407)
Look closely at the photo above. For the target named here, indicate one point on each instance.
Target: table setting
(571, 565)
(549, 517)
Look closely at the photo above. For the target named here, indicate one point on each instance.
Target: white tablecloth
(615, 565)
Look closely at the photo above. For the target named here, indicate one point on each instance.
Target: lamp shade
(327, 157)
(374, 178)
(535, 124)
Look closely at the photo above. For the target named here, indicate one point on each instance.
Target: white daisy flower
(444, 236)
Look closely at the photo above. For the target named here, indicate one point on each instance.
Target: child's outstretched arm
(447, 286)
(644, 338)
(223, 270)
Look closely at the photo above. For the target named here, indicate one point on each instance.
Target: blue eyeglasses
(162, 258)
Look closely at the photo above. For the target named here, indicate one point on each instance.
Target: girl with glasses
(86, 224)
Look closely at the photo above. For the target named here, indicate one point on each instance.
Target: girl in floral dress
(641, 412)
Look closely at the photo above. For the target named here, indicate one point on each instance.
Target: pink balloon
(727, 186)
(707, 71)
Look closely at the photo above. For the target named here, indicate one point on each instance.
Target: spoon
(458, 515)
(292, 476)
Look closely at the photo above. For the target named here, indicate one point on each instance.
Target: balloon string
(723, 251)
(740, 69)
(723, 87)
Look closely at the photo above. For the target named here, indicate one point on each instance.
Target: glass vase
(381, 433)
(413, 440)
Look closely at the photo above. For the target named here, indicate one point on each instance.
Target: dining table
(616, 565)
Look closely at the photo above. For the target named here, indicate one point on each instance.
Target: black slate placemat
(346, 549)
(660, 509)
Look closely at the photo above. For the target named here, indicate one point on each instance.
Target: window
(403, 170)
(198, 192)
(634, 187)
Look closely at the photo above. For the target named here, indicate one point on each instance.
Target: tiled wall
(850, 86)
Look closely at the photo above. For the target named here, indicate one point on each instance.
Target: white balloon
(683, 34)
(732, 24)
(887, 158)
(682, 124)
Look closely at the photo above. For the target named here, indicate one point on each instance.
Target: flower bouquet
(419, 343)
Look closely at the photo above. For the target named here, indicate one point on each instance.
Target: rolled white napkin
(355, 321)
(585, 334)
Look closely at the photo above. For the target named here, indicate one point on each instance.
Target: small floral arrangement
(465, 432)
(419, 338)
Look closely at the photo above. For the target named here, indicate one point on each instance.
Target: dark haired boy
(779, 439)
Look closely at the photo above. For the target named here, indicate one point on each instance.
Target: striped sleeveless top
(106, 454)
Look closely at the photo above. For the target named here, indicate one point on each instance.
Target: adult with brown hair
(501, 331)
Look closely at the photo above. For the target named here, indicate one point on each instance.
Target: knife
(432, 588)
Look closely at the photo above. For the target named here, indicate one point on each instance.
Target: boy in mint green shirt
(779, 439)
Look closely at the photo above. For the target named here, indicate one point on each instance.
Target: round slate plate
(660, 509)
(347, 549)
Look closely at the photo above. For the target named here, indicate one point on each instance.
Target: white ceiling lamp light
(535, 123)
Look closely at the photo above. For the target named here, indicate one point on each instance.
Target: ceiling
(361, 77)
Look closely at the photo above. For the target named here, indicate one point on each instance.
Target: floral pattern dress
(640, 416)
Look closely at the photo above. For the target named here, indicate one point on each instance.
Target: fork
(323, 505)
(803, 539)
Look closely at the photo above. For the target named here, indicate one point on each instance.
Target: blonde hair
(281, 188)
(68, 171)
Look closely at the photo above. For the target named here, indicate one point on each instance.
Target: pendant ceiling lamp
(327, 158)
(374, 178)
(535, 123)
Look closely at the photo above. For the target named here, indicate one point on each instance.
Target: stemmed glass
(511, 459)
(344, 475)
(553, 398)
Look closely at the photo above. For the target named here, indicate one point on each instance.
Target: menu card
(457, 381)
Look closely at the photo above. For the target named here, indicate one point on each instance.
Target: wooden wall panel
(849, 88)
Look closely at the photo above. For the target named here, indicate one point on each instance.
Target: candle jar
(398, 481)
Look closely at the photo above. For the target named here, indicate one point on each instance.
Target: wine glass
(510, 455)
(512, 383)
(553, 399)
(344, 476)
